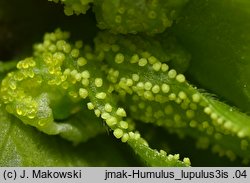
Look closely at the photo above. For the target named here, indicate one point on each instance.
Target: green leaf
(155, 158)
(87, 125)
(22, 145)
(216, 33)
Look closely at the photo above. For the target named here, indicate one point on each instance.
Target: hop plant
(69, 88)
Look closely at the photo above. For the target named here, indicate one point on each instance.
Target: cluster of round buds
(153, 82)
(156, 93)
(129, 17)
(13, 89)
(77, 7)
(113, 116)
(143, 84)
(27, 91)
